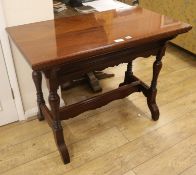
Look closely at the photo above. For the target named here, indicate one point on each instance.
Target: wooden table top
(69, 39)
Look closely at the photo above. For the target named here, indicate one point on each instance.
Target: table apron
(71, 71)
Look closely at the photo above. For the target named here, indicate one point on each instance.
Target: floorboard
(120, 138)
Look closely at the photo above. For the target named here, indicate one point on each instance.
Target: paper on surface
(104, 5)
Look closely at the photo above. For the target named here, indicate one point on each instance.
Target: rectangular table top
(70, 39)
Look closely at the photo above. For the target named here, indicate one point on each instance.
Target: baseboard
(187, 51)
(33, 111)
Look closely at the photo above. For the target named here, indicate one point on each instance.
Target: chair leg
(37, 78)
(54, 101)
(93, 82)
(151, 95)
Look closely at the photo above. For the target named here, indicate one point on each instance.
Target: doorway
(8, 113)
(11, 109)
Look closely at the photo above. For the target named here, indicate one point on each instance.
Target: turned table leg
(151, 95)
(128, 74)
(37, 78)
(54, 101)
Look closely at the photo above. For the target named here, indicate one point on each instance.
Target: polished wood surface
(70, 39)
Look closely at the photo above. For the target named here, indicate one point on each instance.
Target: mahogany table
(62, 49)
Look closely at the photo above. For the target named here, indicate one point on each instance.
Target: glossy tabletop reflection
(70, 39)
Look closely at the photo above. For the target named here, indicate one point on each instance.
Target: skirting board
(33, 111)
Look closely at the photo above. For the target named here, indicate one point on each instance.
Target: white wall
(19, 12)
(27, 11)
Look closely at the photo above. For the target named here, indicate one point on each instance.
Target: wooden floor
(120, 138)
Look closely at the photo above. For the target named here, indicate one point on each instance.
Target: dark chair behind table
(78, 3)
(133, 2)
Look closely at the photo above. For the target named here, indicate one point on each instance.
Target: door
(8, 111)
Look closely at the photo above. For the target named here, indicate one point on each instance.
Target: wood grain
(191, 170)
(173, 161)
(17, 155)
